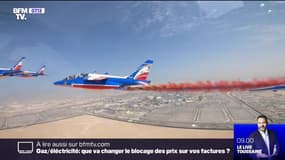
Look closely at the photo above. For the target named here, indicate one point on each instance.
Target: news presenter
(264, 140)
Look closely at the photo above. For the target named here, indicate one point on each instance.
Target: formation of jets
(17, 71)
(100, 81)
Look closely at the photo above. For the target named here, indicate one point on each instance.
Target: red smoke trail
(213, 86)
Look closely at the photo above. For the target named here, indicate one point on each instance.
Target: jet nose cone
(58, 83)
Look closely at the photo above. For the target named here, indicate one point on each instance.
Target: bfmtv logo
(21, 12)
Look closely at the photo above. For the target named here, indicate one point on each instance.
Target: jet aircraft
(106, 81)
(6, 72)
(28, 74)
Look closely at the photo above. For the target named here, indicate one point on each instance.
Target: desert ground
(138, 114)
(94, 127)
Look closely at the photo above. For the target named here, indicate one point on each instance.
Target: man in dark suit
(264, 140)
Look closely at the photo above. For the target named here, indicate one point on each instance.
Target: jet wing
(272, 88)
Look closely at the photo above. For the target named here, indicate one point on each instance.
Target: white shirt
(265, 137)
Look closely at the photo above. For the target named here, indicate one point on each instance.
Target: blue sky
(188, 41)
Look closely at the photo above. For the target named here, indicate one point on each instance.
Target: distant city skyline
(188, 41)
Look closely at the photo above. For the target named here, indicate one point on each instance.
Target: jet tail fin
(42, 70)
(142, 71)
(18, 65)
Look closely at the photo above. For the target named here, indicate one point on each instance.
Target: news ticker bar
(85, 149)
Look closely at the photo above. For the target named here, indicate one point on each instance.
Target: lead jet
(106, 81)
(6, 72)
(28, 74)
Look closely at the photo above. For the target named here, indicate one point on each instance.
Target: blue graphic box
(243, 140)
